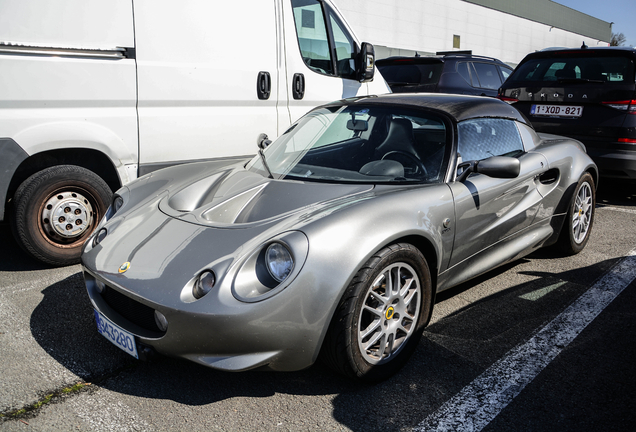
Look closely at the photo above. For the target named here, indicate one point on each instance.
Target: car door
(208, 75)
(320, 56)
(489, 210)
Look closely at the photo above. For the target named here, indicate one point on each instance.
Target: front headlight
(271, 267)
(278, 261)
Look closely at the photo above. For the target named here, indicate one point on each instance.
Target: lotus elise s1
(333, 241)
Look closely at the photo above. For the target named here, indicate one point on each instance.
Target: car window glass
(408, 73)
(602, 68)
(485, 137)
(345, 49)
(312, 35)
(462, 69)
(488, 75)
(367, 144)
(528, 136)
(505, 72)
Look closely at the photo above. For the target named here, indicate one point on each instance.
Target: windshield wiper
(262, 155)
(579, 80)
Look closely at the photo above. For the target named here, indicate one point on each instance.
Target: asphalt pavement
(58, 373)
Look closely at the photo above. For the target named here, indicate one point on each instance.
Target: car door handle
(298, 86)
(263, 85)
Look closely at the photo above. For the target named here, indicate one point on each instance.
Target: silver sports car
(333, 241)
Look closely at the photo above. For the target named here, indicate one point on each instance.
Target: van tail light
(627, 140)
(626, 105)
(510, 100)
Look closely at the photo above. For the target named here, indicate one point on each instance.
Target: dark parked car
(586, 93)
(453, 73)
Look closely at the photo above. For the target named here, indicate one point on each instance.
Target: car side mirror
(262, 141)
(496, 167)
(366, 62)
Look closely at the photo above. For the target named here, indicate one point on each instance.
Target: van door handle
(298, 86)
(263, 85)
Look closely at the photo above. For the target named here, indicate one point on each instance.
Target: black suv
(453, 73)
(586, 93)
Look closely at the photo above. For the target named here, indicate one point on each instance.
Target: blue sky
(621, 12)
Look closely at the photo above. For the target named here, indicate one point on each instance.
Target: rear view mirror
(262, 141)
(366, 62)
(357, 125)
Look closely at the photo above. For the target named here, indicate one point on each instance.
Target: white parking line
(482, 400)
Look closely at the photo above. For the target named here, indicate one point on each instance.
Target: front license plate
(556, 110)
(116, 334)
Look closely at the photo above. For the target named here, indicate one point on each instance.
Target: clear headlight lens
(278, 261)
(203, 284)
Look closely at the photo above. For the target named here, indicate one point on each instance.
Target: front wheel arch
(341, 349)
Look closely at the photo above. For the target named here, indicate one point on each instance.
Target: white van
(95, 93)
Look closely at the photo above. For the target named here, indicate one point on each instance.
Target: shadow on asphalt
(616, 192)
(12, 257)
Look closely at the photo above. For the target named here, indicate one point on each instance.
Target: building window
(455, 41)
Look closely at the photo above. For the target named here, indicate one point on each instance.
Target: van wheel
(580, 217)
(380, 318)
(56, 210)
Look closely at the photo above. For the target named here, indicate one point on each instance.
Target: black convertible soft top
(460, 107)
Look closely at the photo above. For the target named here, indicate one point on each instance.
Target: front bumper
(223, 333)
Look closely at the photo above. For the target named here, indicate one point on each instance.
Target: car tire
(374, 332)
(55, 211)
(580, 217)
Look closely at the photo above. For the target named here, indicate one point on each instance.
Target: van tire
(56, 210)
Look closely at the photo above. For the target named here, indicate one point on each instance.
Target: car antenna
(417, 54)
(583, 46)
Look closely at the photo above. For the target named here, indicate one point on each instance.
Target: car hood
(237, 197)
(205, 221)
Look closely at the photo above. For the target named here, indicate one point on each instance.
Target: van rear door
(320, 53)
(208, 78)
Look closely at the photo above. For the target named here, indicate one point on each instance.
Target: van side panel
(67, 23)
(70, 99)
(198, 79)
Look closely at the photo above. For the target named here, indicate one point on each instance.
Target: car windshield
(359, 144)
(587, 68)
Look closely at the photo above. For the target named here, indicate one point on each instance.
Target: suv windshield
(359, 144)
(576, 68)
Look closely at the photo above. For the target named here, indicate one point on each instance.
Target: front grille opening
(135, 312)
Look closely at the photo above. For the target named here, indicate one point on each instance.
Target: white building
(505, 29)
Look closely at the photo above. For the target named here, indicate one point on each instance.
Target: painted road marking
(481, 401)
(537, 294)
